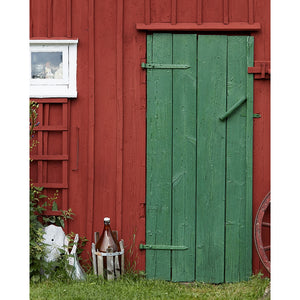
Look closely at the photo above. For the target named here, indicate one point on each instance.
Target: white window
(53, 68)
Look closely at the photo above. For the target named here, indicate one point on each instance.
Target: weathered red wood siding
(106, 173)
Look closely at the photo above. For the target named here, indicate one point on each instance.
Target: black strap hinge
(163, 66)
(162, 247)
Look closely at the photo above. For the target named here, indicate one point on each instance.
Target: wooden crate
(108, 264)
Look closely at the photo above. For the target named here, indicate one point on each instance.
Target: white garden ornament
(56, 241)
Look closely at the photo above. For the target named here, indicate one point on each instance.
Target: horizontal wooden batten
(49, 157)
(47, 101)
(51, 128)
(243, 26)
(49, 40)
(50, 185)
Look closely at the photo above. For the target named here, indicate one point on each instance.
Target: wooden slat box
(108, 264)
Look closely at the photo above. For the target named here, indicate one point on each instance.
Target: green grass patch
(136, 287)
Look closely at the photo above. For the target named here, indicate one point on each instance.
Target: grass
(136, 287)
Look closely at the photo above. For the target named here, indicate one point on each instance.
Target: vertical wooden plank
(174, 12)
(94, 257)
(199, 12)
(226, 12)
(184, 157)
(161, 11)
(31, 19)
(40, 20)
(211, 134)
(60, 17)
(159, 156)
(122, 256)
(147, 8)
(251, 11)
(120, 119)
(65, 142)
(213, 11)
(236, 162)
(40, 143)
(249, 160)
(117, 266)
(74, 144)
(151, 207)
(65, 164)
(50, 18)
(45, 140)
(69, 18)
(100, 265)
(110, 265)
(261, 134)
(134, 159)
(91, 121)
(187, 11)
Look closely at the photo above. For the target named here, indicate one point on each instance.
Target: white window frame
(56, 88)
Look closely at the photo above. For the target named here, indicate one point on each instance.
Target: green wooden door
(199, 157)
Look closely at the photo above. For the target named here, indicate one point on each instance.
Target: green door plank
(211, 134)
(236, 160)
(249, 159)
(184, 157)
(238, 259)
(159, 156)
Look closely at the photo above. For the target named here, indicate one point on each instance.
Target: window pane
(46, 65)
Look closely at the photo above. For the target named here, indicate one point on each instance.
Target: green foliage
(33, 116)
(39, 203)
(51, 204)
(36, 245)
(80, 244)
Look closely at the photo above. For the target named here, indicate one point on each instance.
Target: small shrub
(38, 266)
(36, 245)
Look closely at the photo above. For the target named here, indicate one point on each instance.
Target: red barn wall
(106, 173)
